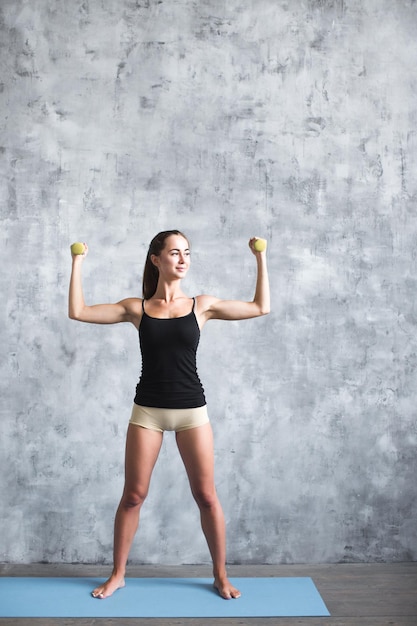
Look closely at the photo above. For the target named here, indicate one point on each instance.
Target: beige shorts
(168, 419)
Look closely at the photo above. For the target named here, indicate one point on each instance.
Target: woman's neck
(168, 292)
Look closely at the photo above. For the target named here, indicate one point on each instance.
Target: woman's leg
(142, 449)
(196, 449)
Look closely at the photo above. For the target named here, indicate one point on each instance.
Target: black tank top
(169, 376)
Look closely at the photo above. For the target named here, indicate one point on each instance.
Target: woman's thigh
(196, 448)
(142, 450)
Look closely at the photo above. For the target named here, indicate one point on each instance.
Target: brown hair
(151, 272)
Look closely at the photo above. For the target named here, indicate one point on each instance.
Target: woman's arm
(127, 310)
(215, 308)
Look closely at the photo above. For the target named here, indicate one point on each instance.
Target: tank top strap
(143, 305)
(192, 310)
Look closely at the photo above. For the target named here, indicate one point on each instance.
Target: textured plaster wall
(295, 120)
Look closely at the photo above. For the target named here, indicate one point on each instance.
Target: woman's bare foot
(109, 587)
(226, 589)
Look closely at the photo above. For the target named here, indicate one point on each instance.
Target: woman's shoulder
(205, 298)
(133, 306)
(132, 310)
(205, 301)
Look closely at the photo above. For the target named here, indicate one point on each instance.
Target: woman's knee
(133, 498)
(205, 498)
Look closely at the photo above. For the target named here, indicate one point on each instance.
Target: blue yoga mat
(159, 597)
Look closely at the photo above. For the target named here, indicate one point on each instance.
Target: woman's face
(174, 260)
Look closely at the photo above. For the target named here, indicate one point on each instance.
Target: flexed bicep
(107, 313)
(216, 308)
(235, 310)
(127, 310)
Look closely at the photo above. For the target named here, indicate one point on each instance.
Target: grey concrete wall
(285, 119)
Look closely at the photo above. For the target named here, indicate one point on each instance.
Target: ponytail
(151, 272)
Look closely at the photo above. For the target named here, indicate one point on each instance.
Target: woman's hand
(83, 255)
(252, 241)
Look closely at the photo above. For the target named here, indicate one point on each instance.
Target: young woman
(169, 395)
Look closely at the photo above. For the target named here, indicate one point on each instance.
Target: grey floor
(355, 594)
